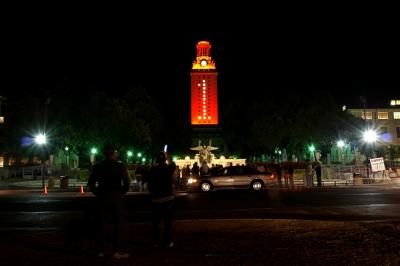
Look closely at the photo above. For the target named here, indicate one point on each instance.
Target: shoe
(100, 255)
(121, 255)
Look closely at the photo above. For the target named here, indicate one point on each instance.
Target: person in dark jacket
(318, 173)
(109, 181)
(160, 185)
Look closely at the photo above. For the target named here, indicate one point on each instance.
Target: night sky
(301, 57)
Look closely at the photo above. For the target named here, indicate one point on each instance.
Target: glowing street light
(370, 136)
(41, 140)
(129, 153)
(340, 143)
(311, 148)
(93, 152)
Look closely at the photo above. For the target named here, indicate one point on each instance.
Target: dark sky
(349, 59)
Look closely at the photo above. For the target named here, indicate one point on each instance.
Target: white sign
(377, 164)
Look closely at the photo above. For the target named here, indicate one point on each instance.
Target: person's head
(161, 157)
(109, 151)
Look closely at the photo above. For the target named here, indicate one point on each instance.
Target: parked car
(233, 177)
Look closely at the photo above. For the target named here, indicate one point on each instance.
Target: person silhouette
(160, 185)
(109, 182)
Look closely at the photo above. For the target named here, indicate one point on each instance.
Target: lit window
(383, 115)
(396, 115)
(204, 81)
(368, 115)
(393, 102)
(397, 102)
(198, 85)
(204, 117)
(209, 118)
(199, 117)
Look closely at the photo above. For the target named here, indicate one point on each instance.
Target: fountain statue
(204, 155)
(204, 152)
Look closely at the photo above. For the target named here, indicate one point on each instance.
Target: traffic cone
(82, 191)
(45, 190)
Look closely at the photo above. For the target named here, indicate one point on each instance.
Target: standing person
(185, 176)
(195, 169)
(160, 185)
(318, 172)
(309, 173)
(291, 173)
(109, 181)
(278, 172)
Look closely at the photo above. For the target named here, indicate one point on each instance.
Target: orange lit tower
(204, 97)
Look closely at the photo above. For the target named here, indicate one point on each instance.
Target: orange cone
(82, 191)
(45, 190)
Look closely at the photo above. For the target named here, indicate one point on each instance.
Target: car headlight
(192, 180)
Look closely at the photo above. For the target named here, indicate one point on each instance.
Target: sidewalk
(224, 242)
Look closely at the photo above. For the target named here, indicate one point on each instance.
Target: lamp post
(41, 140)
(340, 144)
(311, 148)
(370, 137)
(129, 154)
(93, 153)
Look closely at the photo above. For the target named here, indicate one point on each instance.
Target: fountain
(204, 155)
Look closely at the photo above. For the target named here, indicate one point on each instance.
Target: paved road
(329, 228)
(19, 210)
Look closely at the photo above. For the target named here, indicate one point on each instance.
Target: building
(204, 96)
(204, 99)
(385, 121)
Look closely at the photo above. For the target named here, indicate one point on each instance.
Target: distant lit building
(385, 121)
(204, 97)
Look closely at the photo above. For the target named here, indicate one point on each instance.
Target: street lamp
(93, 152)
(311, 148)
(129, 154)
(67, 157)
(41, 140)
(370, 136)
(340, 144)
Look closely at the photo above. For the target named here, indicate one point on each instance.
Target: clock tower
(204, 97)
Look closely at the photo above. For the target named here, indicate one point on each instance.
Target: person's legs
(167, 215)
(308, 180)
(291, 180)
(155, 223)
(118, 218)
(101, 214)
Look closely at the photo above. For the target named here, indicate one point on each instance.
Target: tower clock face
(203, 62)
